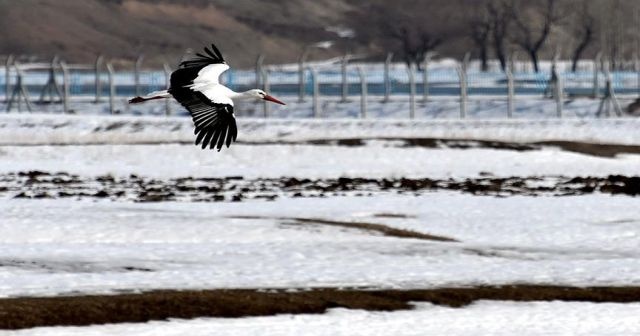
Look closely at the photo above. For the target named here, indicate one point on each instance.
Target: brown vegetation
(20, 313)
(38, 185)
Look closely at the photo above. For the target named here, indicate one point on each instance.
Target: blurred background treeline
(282, 29)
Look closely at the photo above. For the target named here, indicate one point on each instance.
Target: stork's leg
(153, 95)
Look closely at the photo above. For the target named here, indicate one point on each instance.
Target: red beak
(272, 99)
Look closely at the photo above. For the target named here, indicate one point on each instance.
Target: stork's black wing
(210, 56)
(215, 123)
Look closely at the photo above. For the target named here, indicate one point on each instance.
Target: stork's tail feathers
(153, 95)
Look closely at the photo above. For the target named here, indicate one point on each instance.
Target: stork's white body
(208, 82)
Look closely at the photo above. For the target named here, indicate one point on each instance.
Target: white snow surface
(481, 318)
(376, 160)
(97, 129)
(162, 148)
(51, 247)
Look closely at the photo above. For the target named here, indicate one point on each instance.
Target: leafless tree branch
(480, 32)
(500, 20)
(526, 37)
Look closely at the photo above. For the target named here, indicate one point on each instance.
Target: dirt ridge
(385, 230)
(44, 185)
(21, 313)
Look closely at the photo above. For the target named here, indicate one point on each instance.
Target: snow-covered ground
(49, 247)
(162, 148)
(67, 246)
(377, 160)
(482, 318)
(58, 129)
(59, 246)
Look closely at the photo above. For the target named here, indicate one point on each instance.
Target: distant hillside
(77, 30)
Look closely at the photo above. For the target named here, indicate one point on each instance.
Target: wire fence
(24, 85)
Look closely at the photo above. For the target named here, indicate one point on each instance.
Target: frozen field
(109, 205)
(58, 129)
(107, 246)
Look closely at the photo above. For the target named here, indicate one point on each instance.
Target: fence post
(596, 75)
(465, 62)
(345, 81)
(19, 91)
(259, 72)
(510, 94)
(267, 87)
(636, 68)
(112, 88)
(610, 94)
(51, 87)
(513, 60)
(363, 93)
(614, 99)
(7, 77)
(605, 103)
(98, 69)
(425, 77)
(65, 86)
(301, 61)
(136, 74)
(558, 94)
(463, 91)
(316, 93)
(412, 91)
(167, 82)
(387, 79)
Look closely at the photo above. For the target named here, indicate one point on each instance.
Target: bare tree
(585, 26)
(415, 44)
(499, 20)
(525, 33)
(616, 38)
(480, 32)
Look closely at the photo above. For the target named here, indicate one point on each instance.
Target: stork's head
(257, 93)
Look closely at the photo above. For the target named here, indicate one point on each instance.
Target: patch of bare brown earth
(586, 148)
(39, 184)
(602, 150)
(20, 313)
(369, 227)
(593, 149)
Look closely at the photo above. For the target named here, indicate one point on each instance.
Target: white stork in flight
(196, 86)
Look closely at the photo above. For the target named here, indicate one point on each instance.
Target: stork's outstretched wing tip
(209, 56)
